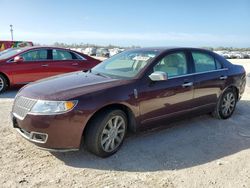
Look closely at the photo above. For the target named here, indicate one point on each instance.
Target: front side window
(174, 64)
(127, 64)
(204, 62)
(61, 55)
(35, 55)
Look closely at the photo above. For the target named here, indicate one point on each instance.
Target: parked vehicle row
(234, 54)
(133, 90)
(19, 66)
(100, 52)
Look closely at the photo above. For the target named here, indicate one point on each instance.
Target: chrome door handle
(45, 65)
(75, 64)
(189, 84)
(223, 77)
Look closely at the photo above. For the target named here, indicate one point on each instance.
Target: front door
(33, 67)
(161, 99)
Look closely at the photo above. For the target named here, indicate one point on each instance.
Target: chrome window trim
(197, 73)
(12, 60)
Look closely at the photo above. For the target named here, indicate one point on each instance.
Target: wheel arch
(234, 88)
(132, 126)
(6, 77)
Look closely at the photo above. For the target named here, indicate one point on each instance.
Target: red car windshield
(10, 52)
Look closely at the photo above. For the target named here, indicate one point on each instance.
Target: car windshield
(5, 51)
(126, 64)
(10, 52)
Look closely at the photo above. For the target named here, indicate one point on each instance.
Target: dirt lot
(199, 152)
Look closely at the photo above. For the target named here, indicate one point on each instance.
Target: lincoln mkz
(133, 90)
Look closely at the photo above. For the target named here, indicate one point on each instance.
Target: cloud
(131, 38)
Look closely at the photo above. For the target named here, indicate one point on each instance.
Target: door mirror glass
(158, 76)
(18, 59)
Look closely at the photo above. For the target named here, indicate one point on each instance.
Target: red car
(20, 66)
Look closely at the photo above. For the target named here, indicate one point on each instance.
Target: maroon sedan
(130, 91)
(20, 66)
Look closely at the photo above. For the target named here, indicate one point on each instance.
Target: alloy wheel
(113, 133)
(228, 104)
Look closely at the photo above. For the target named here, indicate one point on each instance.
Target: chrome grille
(22, 105)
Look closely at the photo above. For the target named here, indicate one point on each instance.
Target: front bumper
(61, 132)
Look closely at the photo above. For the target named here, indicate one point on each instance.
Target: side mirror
(158, 76)
(18, 59)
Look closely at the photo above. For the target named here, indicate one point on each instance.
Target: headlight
(52, 107)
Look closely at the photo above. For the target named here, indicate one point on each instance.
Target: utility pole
(11, 31)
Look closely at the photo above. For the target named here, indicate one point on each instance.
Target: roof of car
(35, 47)
(163, 49)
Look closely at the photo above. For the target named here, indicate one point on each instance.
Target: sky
(195, 23)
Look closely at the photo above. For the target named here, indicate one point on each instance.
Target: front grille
(22, 105)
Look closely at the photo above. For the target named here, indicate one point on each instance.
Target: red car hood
(67, 86)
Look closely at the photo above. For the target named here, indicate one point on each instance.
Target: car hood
(68, 86)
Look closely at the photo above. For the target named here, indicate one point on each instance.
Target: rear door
(64, 61)
(163, 99)
(33, 67)
(210, 78)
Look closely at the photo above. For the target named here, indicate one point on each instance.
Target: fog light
(39, 137)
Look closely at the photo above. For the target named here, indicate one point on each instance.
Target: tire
(226, 105)
(106, 132)
(3, 83)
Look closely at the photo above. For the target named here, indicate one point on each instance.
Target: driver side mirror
(18, 59)
(158, 76)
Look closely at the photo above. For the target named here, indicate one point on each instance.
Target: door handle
(188, 84)
(75, 64)
(45, 65)
(223, 77)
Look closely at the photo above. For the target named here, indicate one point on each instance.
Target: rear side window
(35, 55)
(61, 55)
(204, 62)
(174, 64)
(77, 56)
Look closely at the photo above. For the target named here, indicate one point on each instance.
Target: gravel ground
(198, 152)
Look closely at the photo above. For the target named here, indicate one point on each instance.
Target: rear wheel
(3, 83)
(106, 132)
(226, 105)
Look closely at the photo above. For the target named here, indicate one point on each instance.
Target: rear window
(204, 62)
(61, 55)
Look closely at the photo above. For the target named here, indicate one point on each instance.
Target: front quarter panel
(90, 104)
(5, 69)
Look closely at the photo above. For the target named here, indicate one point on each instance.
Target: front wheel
(226, 105)
(105, 133)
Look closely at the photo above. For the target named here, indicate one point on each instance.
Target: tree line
(85, 45)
